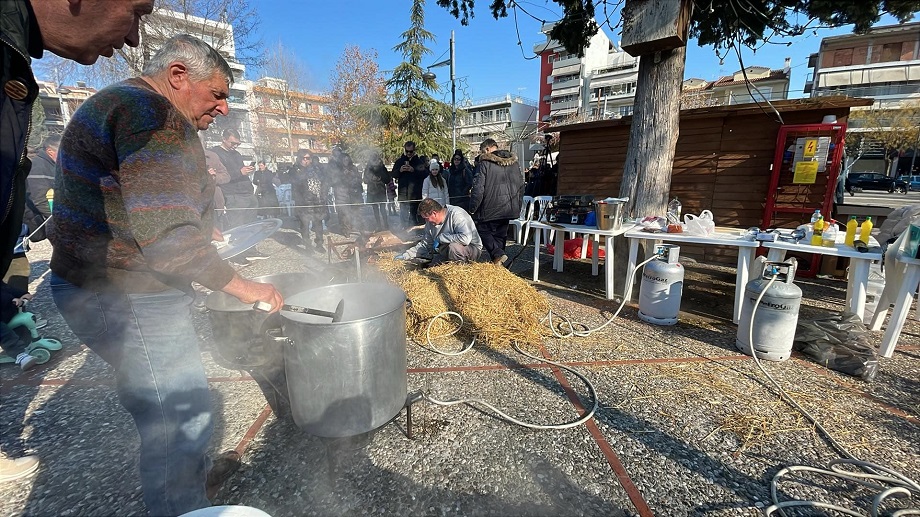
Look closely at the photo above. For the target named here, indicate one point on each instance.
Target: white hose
(472, 402)
(902, 484)
(572, 332)
(585, 333)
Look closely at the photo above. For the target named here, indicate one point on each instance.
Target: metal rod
(453, 93)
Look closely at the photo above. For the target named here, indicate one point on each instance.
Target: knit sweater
(133, 204)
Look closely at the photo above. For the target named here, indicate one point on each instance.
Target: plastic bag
(840, 342)
(702, 224)
(572, 249)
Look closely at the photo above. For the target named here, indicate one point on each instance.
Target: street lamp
(453, 88)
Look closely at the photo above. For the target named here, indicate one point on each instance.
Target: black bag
(838, 341)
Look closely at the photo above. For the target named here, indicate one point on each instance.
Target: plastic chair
(902, 277)
(522, 223)
(541, 202)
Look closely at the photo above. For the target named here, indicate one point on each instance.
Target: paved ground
(686, 424)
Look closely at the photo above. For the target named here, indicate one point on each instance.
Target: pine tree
(412, 113)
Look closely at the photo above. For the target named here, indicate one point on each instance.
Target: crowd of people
(138, 199)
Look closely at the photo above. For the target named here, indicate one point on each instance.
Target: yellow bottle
(852, 225)
(817, 231)
(50, 197)
(865, 230)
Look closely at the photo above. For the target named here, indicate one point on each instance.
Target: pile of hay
(497, 307)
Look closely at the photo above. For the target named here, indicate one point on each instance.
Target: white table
(901, 303)
(734, 237)
(595, 234)
(858, 277)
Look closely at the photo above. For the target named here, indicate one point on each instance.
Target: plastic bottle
(816, 235)
(674, 208)
(865, 230)
(852, 225)
(829, 235)
(815, 216)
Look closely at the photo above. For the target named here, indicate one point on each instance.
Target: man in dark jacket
(79, 30)
(409, 170)
(498, 185)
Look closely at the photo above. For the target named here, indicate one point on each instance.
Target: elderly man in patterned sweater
(133, 221)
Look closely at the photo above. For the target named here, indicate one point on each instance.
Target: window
(626, 110)
(843, 57)
(891, 52)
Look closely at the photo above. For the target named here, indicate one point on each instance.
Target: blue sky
(489, 60)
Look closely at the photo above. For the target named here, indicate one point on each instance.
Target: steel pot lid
(363, 301)
(239, 239)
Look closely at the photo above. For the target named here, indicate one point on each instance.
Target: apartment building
(752, 84)
(883, 64)
(506, 118)
(285, 120)
(59, 102)
(599, 84)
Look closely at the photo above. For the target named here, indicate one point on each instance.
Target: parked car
(913, 182)
(874, 181)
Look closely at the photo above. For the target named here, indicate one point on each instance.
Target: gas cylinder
(662, 286)
(777, 315)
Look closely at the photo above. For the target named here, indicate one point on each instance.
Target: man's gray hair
(200, 58)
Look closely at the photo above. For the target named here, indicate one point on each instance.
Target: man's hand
(250, 292)
(217, 235)
(247, 170)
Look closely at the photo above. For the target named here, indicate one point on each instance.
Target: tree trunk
(653, 134)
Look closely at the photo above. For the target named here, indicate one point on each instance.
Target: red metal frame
(837, 132)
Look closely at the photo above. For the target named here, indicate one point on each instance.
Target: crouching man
(450, 235)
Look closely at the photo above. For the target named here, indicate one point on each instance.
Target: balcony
(893, 90)
(564, 105)
(567, 84)
(569, 61)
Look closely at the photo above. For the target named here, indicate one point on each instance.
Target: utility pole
(453, 93)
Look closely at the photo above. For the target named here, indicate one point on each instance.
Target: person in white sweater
(435, 186)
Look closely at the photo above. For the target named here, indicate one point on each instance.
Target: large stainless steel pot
(349, 377)
(239, 335)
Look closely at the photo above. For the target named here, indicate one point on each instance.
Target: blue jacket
(19, 39)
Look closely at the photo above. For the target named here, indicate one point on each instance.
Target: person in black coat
(264, 180)
(410, 171)
(459, 181)
(377, 177)
(308, 191)
(498, 188)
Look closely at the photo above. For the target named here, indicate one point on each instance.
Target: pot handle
(275, 336)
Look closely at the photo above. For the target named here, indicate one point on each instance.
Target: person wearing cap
(435, 186)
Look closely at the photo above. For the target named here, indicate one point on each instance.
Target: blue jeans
(151, 343)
